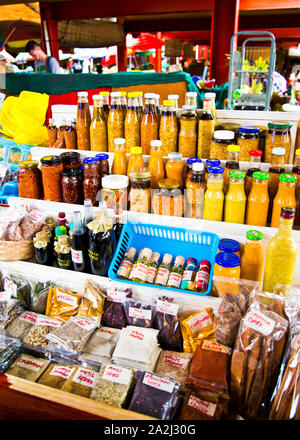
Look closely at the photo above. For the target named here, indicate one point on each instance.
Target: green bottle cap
(60, 230)
(237, 174)
(236, 94)
(254, 235)
(288, 178)
(260, 175)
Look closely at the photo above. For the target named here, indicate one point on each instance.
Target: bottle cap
(229, 245)
(198, 166)
(146, 252)
(115, 181)
(131, 253)
(168, 103)
(97, 97)
(188, 107)
(169, 183)
(102, 156)
(61, 215)
(233, 148)
(123, 93)
(228, 259)
(224, 135)
(209, 95)
(215, 170)
(119, 141)
(174, 156)
(280, 125)
(104, 93)
(150, 95)
(179, 260)
(278, 151)
(213, 162)
(60, 230)
(254, 235)
(154, 257)
(88, 160)
(288, 178)
(115, 94)
(173, 97)
(28, 163)
(260, 175)
(136, 150)
(191, 261)
(167, 258)
(156, 143)
(192, 160)
(256, 153)
(297, 152)
(191, 94)
(248, 129)
(237, 174)
(82, 94)
(287, 212)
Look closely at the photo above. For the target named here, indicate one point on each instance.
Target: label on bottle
(167, 307)
(151, 275)
(64, 372)
(158, 382)
(259, 322)
(124, 269)
(141, 271)
(117, 374)
(187, 275)
(162, 276)
(202, 406)
(174, 280)
(64, 262)
(84, 376)
(77, 256)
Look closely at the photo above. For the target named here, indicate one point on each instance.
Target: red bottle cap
(256, 153)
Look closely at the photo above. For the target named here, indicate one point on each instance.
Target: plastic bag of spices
(39, 291)
(62, 304)
(196, 327)
(9, 351)
(194, 408)
(56, 375)
(101, 345)
(18, 287)
(13, 311)
(139, 314)
(28, 367)
(114, 312)
(167, 322)
(37, 335)
(4, 298)
(174, 365)
(21, 326)
(92, 303)
(81, 382)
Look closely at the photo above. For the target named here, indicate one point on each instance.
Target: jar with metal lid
(51, 168)
(220, 142)
(83, 122)
(91, 181)
(248, 139)
(140, 191)
(278, 136)
(70, 160)
(227, 265)
(115, 192)
(103, 164)
(98, 130)
(168, 199)
(191, 99)
(115, 122)
(187, 138)
(168, 130)
(30, 180)
(174, 98)
(71, 182)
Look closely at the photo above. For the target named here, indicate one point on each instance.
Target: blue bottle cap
(102, 156)
(215, 170)
(213, 162)
(228, 259)
(90, 160)
(248, 129)
(229, 245)
(193, 160)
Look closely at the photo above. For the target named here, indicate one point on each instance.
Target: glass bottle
(194, 192)
(202, 277)
(174, 98)
(255, 160)
(212, 97)
(191, 99)
(211, 163)
(281, 253)
(63, 252)
(119, 220)
(115, 122)
(235, 200)
(120, 160)
(176, 273)
(174, 167)
(187, 137)
(135, 161)
(132, 122)
(141, 103)
(231, 164)
(189, 274)
(126, 264)
(258, 200)
(252, 260)
(105, 103)
(157, 105)
(206, 127)
(276, 168)
(79, 244)
(153, 267)
(98, 130)
(214, 195)
(168, 129)
(62, 221)
(163, 271)
(296, 172)
(88, 211)
(124, 103)
(149, 124)
(142, 265)
(189, 167)
(132, 272)
(52, 133)
(83, 122)
(285, 197)
(43, 252)
(156, 163)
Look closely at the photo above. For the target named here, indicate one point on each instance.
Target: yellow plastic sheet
(22, 118)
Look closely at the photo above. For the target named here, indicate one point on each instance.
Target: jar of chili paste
(30, 180)
(52, 167)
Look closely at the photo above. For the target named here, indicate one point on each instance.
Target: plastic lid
(256, 153)
(169, 183)
(172, 97)
(90, 160)
(287, 212)
(115, 181)
(192, 160)
(209, 95)
(288, 178)
(102, 156)
(156, 143)
(175, 156)
(254, 235)
(150, 95)
(123, 93)
(229, 245)
(197, 166)
(233, 148)
(133, 95)
(260, 175)
(115, 94)
(96, 97)
(297, 152)
(224, 135)
(278, 151)
(188, 107)
(215, 170)
(46, 160)
(191, 261)
(228, 259)
(168, 103)
(60, 230)
(248, 129)
(281, 125)
(139, 93)
(104, 93)
(136, 150)
(213, 162)
(82, 94)
(119, 141)
(191, 94)
(237, 174)
(28, 163)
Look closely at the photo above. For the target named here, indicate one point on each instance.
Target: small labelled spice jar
(91, 181)
(103, 165)
(52, 133)
(248, 139)
(278, 136)
(70, 136)
(220, 142)
(70, 160)
(71, 182)
(52, 167)
(168, 199)
(115, 191)
(30, 180)
(140, 191)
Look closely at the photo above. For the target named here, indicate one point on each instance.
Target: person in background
(77, 67)
(42, 62)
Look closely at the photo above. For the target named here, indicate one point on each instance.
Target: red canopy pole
(224, 23)
(49, 30)
(158, 56)
(121, 58)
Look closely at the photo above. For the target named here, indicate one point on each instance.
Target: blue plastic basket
(165, 239)
(9, 189)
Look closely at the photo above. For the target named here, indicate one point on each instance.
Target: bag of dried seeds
(81, 382)
(28, 367)
(37, 335)
(92, 303)
(174, 365)
(14, 310)
(167, 322)
(21, 326)
(56, 375)
(114, 313)
(4, 298)
(62, 304)
(101, 344)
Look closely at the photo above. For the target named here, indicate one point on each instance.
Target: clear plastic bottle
(124, 103)
(174, 98)
(258, 200)
(120, 160)
(153, 267)
(252, 260)
(212, 97)
(176, 273)
(88, 211)
(98, 130)
(126, 264)
(187, 137)
(163, 271)
(156, 163)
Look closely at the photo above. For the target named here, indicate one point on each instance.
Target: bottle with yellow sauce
(132, 122)
(156, 163)
(235, 201)
(214, 196)
(281, 253)
(252, 261)
(296, 172)
(231, 164)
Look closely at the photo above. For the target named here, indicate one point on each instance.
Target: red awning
(144, 41)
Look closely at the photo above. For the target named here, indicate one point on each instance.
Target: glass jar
(276, 168)
(140, 191)
(221, 140)
(51, 168)
(231, 164)
(210, 163)
(135, 161)
(141, 103)
(235, 201)
(187, 138)
(98, 130)
(168, 199)
(191, 99)
(120, 160)
(206, 128)
(278, 136)
(211, 96)
(214, 196)
(258, 200)
(30, 180)
(71, 182)
(168, 129)
(70, 136)
(157, 105)
(174, 167)
(83, 122)
(52, 133)
(156, 164)
(103, 160)
(248, 139)
(132, 122)
(124, 103)
(189, 167)
(229, 245)
(195, 190)
(105, 104)
(149, 124)
(91, 181)
(285, 197)
(115, 192)
(70, 160)
(255, 160)
(227, 265)
(115, 122)
(174, 98)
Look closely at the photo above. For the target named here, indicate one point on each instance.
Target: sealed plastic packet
(166, 320)
(18, 287)
(10, 223)
(31, 224)
(37, 335)
(223, 285)
(28, 367)
(114, 312)
(4, 301)
(174, 365)
(14, 309)
(195, 408)
(92, 303)
(62, 304)
(56, 375)
(139, 313)
(101, 345)
(21, 326)
(39, 291)
(9, 351)
(81, 381)
(196, 327)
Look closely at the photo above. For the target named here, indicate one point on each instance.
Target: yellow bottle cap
(297, 152)
(168, 103)
(140, 93)
(104, 93)
(233, 148)
(136, 150)
(133, 94)
(123, 93)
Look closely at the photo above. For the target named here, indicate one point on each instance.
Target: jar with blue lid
(189, 164)
(103, 160)
(247, 140)
(227, 264)
(229, 245)
(91, 180)
(211, 163)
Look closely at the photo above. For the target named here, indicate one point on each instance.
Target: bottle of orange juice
(258, 200)
(120, 160)
(252, 261)
(156, 163)
(235, 201)
(285, 197)
(135, 160)
(174, 167)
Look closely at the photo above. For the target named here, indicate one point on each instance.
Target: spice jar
(105, 103)
(150, 123)
(120, 160)
(132, 122)
(248, 139)
(168, 129)
(174, 98)
(70, 136)
(221, 140)
(52, 133)
(103, 165)
(115, 191)
(140, 191)
(52, 167)
(91, 181)
(187, 138)
(135, 160)
(83, 122)
(174, 167)
(168, 199)
(115, 122)
(71, 182)
(30, 180)
(191, 99)
(98, 130)
(70, 160)
(278, 136)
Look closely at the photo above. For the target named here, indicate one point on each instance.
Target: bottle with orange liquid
(135, 161)
(231, 164)
(258, 200)
(120, 160)
(156, 163)
(285, 197)
(296, 172)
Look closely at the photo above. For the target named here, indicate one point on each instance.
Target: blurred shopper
(42, 62)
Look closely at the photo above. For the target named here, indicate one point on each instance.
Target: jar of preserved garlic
(187, 138)
(206, 127)
(168, 130)
(83, 122)
(98, 130)
(168, 199)
(132, 122)
(105, 103)
(191, 99)
(140, 191)
(149, 124)
(221, 140)
(248, 139)
(278, 136)
(115, 122)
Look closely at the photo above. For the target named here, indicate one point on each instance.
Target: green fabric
(221, 93)
(60, 84)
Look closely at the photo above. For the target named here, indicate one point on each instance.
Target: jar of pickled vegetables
(235, 201)
(83, 122)
(278, 136)
(168, 199)
(191, 99)
(91, 180)
(115, 122)
(70, 160)
(51, 168)
(140, 191)
(150, 123)
(174, 167)
(132, 122)
(248, 139)
(255, 160)
(98, 130)
(135, 160)
(30, 180)
(156, 164)
(120, 160)
(221, 140)
(168, 130)
(229, 245)
(187, 138)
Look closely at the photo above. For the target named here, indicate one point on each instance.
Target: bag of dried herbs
(38, 295)
(37, 335)
(18, 287)
(28, 367)
(21, 326)
(81, 382)
(114, 313)
(167, 322)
